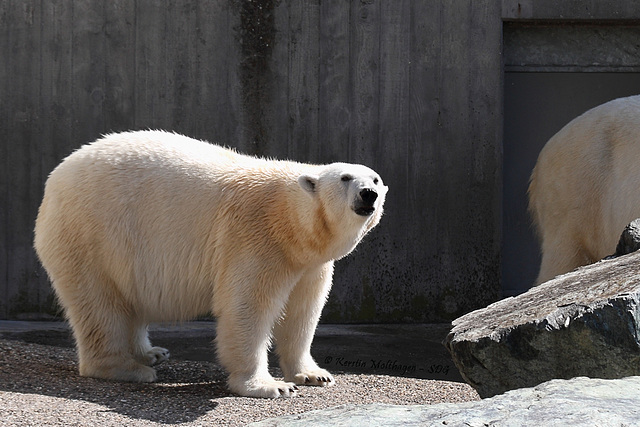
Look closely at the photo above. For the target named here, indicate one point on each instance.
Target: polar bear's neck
(307, 232)
(298, 225)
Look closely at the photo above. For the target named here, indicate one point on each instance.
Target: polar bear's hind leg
(103, 332)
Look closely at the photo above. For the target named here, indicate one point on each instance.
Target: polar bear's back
(149, 175)
(152, 151)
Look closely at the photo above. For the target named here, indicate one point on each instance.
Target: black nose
(368, 196)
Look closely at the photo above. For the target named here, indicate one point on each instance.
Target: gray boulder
(584, 323)
(576, 402)
(630, 239)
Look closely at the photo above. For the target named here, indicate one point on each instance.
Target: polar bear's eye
(375, 181)
(346, 178)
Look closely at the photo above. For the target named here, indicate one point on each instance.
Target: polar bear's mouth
(364, 210)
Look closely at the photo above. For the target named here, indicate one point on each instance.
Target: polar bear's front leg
(242, 340)
(242, 350)
(294, 333)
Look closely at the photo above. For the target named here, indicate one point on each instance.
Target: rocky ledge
(579, 402)
(584, 323)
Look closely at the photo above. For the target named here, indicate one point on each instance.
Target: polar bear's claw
(262, 387)
(290, 392)
(323, 379)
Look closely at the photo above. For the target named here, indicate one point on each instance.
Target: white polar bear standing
(585, 187)
(152, 226)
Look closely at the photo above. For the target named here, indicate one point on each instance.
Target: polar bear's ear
(308, 182)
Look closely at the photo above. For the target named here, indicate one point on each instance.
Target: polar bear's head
(349, 193)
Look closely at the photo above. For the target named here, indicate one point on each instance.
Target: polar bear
(585, 186)
(152, 226)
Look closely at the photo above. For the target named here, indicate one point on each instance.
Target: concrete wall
(412, 88)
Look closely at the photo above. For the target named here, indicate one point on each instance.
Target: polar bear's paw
(153, 356)
(139, 374)
(318, 377)
(263, 387)
(130, 371)
(157, 355)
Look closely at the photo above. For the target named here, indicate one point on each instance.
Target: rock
(575, 402)
(583, 323)
(630, 239)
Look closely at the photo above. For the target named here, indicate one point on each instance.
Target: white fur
(585, 187)
(152, 226)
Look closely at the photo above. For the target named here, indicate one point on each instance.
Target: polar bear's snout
(365, 202)
(368, 196)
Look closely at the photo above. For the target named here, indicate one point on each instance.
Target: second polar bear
(584, 187)
(151, 226)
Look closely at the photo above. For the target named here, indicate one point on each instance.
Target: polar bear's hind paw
(158, 355)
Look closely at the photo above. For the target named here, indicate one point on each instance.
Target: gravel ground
(39, 385)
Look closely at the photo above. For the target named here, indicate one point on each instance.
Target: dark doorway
(536, 106)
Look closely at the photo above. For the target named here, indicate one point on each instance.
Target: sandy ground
(39, 385)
